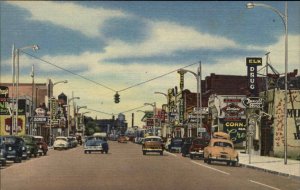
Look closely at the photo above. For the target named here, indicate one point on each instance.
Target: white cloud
(167, 38)
(88, 21)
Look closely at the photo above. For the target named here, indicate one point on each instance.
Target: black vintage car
(175, 145)
(31, 145)
(2, 152)
(187, 142)
(14, 147)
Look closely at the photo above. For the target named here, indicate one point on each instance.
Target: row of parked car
(219, 148)
(18, 148)
(62, 142)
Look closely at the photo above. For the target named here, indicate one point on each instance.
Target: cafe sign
(253, 102)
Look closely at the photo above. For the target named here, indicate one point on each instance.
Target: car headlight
(40, 146)
(23, 148)
(1, 153)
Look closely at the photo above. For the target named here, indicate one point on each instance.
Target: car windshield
(27, 139)
(38, 139)
(223, 144)
(60, 138)
(177, 141)
(200, 142)
(152, 139)
(94, 143)
(10, 140)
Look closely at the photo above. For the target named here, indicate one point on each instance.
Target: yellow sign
(5, 125)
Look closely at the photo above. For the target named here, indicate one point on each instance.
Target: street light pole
(199, 97)
(69, 101)
(76, 118)
(83, 124)
(16, 72)
(284, 18)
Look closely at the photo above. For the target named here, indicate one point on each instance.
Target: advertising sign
(6, 120)
(149, 122)
(252, 63)
(253, 102)
(4, 91)
(237, 130)
(233, 112)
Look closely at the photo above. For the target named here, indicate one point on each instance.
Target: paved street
(126, 168)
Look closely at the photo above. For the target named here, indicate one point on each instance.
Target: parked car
(221, 150)
(96, 145)
(14, 147)
(185, 148)
(122, 139)
(42, 145)
(3, 153)
(31, 144)
(72, 141)
(113, 137)
(175, 145)
(197, 147)
(61, 142)
(153, 144)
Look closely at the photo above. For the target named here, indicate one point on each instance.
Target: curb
(269, 171)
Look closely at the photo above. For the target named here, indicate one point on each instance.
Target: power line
(135, 85)
(155, 78)
(38, 58)
(100, 111)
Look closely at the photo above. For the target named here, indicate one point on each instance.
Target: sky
(102, 47)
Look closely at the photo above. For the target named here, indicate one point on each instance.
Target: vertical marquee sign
(252, 63)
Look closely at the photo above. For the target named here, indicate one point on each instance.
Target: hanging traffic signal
(117, 98)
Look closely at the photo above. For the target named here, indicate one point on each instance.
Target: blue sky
(121, 43)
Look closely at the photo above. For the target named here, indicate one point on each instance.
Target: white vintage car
(61, 142)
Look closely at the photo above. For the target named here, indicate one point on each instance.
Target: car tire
(161, 153)
(208, 160)
(144, 152)
(35, 154)
(192, 156)
(17, 160)
(90, 152)
(40, 154)
(229, 163)
(102, 152)
(85, 152)
(45, 153)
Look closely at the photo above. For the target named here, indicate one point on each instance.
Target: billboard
(6, 123)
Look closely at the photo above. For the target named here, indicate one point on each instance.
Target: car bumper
(200, 152)
(93, 149)
(152, 150)
(176, 149)
(223, 159)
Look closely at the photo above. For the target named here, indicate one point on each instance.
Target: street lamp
(284, 18)
(16, 74)
(154, 112)
(82, 119)
(199, 94)
(69, 101)
(76, 119)
(49, 94)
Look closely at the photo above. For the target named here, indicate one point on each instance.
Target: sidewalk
(271, 164)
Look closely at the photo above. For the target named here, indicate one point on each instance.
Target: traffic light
(117, 98)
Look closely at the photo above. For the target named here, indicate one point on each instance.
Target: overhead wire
(38, 58)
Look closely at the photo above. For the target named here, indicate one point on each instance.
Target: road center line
(264, 185)
(211, 168)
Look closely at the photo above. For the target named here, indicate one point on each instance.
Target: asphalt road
(125, 168)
